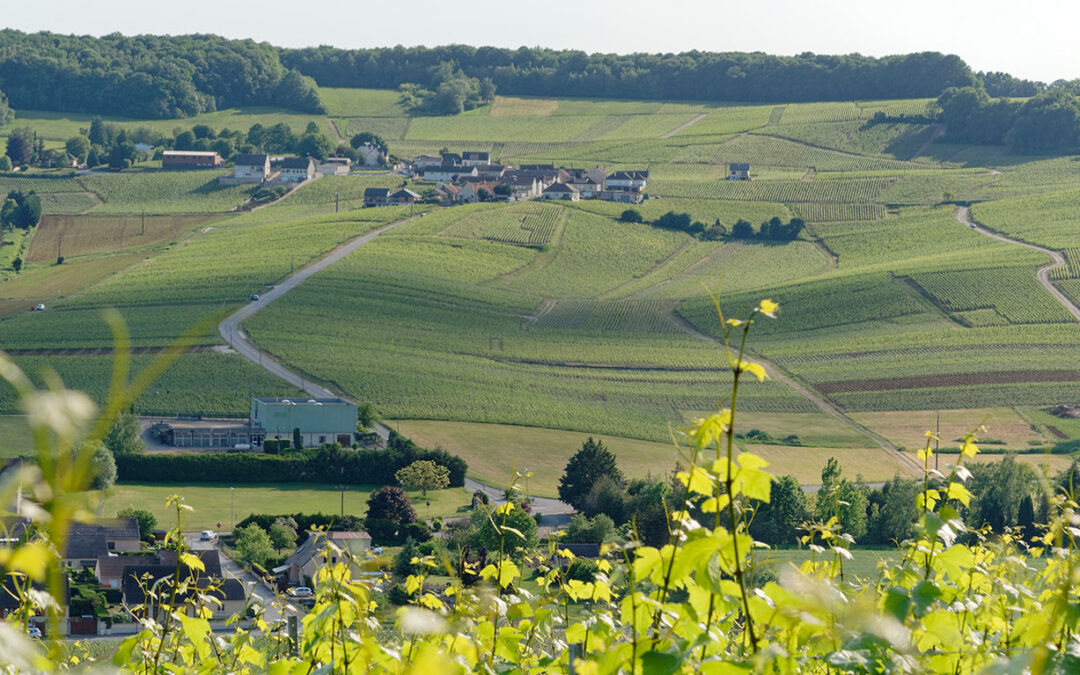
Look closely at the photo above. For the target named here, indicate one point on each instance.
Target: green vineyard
(1012, 292)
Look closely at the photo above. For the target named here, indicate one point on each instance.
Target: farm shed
(190, 159)
(200, 434)
(404, 196)
(739, 171)
(334, 166)
(322, 420)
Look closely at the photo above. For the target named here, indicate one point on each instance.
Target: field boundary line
(784, 377)
(1042, 275)
(683, 126)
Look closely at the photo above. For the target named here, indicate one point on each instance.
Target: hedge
(304, 522)
(327, 464)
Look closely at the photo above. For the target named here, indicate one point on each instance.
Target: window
(322, 439)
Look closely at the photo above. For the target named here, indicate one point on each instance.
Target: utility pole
(143, 222)
(337, 199)
(232, 508)
(59, 243)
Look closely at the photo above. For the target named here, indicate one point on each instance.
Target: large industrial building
(320, 420)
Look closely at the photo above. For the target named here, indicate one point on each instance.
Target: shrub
(631, 216)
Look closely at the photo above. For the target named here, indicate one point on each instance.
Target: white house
(561, 191)
(586, 186)
(322, 549)
(628, 180)
(475, 158)
(739, 171)
(525, 187)
(251, 168)
(297, 169)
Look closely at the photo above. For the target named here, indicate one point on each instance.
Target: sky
(1034, 39)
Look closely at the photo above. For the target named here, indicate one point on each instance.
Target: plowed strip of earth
(931, 381)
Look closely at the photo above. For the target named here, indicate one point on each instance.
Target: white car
(34, 632)
(301, 592)
(38, 308)
(208, 535)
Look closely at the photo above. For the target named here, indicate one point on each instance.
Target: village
(451, 178)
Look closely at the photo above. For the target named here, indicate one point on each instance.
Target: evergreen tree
(588, 465)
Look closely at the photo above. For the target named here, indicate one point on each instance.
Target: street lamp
(526, 484)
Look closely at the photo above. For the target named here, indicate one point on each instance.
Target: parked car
(301, 592)
(38, 308)
(34, 632)
(254, 297)
(208, 535)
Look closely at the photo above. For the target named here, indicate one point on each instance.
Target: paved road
(232, 333)
(232, 570)
(544, 505)
(963, 214)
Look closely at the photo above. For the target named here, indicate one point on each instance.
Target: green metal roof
(315, 415)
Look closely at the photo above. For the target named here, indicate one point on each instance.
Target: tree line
(1048, 122)
(1006, 494)
(699, 76)
(773, 229)
(147, 76)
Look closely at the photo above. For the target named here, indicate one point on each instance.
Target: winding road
(963, 214)
(232, 332)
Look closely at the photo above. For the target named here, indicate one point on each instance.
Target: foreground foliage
(955, 600)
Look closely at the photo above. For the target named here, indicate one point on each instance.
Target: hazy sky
(1033, 38)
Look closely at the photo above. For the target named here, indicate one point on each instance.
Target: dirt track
(817, 399)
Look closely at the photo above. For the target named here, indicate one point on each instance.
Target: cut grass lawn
(213, 503)
(495, 451)
(908, 429)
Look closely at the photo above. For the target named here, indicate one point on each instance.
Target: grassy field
(1002, 424)
(216, 505)
(495, 451)
(559, 317)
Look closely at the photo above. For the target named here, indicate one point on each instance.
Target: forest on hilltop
(162, 76)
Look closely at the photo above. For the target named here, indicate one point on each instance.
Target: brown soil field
(87, 234)
(929, 381)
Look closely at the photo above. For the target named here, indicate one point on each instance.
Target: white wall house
(252, 168)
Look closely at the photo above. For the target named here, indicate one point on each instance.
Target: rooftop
(189, 153)
(305, 401)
